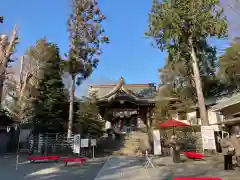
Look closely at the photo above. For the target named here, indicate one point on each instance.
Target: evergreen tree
(86, 35)
(182, 27)
(49, 104)
(88, 122)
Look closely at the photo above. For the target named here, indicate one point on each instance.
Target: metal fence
(51, 144)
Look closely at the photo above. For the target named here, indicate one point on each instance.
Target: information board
(93, 142)
(208, 138)
(84, 143)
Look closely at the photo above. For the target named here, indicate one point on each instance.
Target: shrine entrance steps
(132, 143)
(125, 144)
(108, 145)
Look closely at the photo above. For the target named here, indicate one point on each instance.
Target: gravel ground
(48, 171)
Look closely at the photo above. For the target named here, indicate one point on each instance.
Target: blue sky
(129, 54)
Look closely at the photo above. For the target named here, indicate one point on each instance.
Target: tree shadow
(52, 171)
(108, 145)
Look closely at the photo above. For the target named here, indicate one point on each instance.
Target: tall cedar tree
(86, 35)
(181, 28)
(49, 105)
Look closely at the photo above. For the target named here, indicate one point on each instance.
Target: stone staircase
(132, 142)
(107, 145)
(124, 144)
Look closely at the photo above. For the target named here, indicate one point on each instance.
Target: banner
(76, 143)
(208, 138)
(156, 143)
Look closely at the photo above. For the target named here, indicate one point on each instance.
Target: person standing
(228, 151)
(175, 147)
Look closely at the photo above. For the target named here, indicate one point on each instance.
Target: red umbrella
(173, 123)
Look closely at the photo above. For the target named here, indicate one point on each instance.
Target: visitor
(228, 151)
(175, 146)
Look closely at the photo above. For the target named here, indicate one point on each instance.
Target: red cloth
(197, 178)
(172, 123)
(194, 155)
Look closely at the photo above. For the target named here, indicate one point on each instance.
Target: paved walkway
(48, 171)
(123, 168)
(129, 168)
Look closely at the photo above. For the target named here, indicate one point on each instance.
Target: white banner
(156, 142)
(76, 143)
(208, 138)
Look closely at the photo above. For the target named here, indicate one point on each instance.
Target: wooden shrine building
(126, 106)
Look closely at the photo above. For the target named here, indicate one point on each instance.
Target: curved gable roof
(118, 87)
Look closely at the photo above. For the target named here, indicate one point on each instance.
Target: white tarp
(156, 142)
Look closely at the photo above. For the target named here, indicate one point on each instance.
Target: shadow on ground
(50, 171)
(107, 145)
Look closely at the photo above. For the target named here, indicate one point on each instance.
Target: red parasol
(173, 123)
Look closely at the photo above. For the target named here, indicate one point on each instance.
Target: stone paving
(122, 168)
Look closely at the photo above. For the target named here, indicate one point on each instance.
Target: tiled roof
(139, 90)
(227, 102)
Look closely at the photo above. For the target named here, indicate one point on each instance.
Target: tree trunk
(71, 106)
(198, 85)
(5, 53)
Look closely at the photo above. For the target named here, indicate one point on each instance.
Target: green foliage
(88, 122)
(86, 35)
(230, 66)
(1, 19)
(48, 107)
(171, 26)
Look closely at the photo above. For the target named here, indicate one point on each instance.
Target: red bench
(194, 155)
(197, 178)
(81, 160)
(43, 158)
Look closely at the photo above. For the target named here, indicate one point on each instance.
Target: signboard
(84, 143)
(93, 142)
(76, 143)
(156, 143)
(208, 138)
